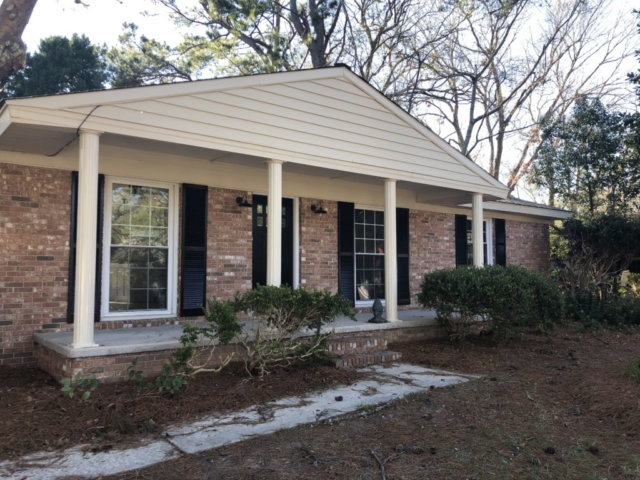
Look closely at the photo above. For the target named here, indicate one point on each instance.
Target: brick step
(364, 359)
(355, 345)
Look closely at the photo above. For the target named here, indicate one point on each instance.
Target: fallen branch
(382, 463)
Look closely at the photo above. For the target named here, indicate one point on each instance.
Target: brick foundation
(114, 368)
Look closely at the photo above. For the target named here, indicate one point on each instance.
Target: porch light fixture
(318, 208)
(243, 201)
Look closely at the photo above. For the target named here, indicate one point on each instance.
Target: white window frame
(364, 303)
(172, 263)
(488, 226)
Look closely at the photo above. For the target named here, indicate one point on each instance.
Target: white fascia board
(154, 92)
(555, 214)
(427, 132)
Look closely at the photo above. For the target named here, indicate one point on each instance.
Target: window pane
(139, 236)
(140, 195)
(359, 216)
(380, 233)
(159, 217)
(120, 194)
(369, 216)
(158, 237)
(158, 257)
(121, 215)
(137, 299)
(157, 298)
(140, 216)
(371, 246)
(159, 197)
(359, 246)
(120, 235)
(359, 231)
(380, 218)
(158, 278)
(369, 232)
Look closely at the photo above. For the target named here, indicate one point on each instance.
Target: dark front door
(260, 240)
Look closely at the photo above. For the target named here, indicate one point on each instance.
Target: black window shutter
(461, 240)
(346, 253)
(193, 290)
(501, 242)
(71, 295)
(402, 236)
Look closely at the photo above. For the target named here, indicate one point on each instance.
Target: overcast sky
(101, 21)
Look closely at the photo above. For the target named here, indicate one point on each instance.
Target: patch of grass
(633, 369)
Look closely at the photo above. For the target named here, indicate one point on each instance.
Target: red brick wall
(229, 244)
(528, 245)
(34, 259)
(432, 246)
(319, 246)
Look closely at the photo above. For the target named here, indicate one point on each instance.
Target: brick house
(128, 208)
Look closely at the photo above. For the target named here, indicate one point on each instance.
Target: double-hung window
(369, 251)
(486, 240)
(140, 256)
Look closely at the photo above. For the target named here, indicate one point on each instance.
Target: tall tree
(510, 66)
(61, 65)
(14, 17)
(585, 161)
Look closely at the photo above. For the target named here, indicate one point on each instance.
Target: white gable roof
(323, 117)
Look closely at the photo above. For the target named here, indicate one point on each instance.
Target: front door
(260, 240)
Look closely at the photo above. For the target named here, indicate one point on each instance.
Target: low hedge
(507, 300)
(587, 307)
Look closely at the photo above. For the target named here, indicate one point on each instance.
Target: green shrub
(281, 314)
(633, 369)
(85, 385)
(587, 307)
(507, 300)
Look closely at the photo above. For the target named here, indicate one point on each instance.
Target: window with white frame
(486, 239)
(140, 252)
(369, 250)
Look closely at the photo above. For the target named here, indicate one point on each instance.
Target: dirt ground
(558, 407)
(35, 415)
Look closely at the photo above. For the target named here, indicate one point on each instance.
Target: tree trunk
(14, 17)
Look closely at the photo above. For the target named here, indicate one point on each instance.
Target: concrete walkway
(385, 383)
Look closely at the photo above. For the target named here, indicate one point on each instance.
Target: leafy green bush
(633, 369)
(589, 308)
(83, 384)
(281, 314)
(507, 300)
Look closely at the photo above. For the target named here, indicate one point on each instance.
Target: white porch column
(476, 230)
(86, 228)
(390, 251)
(274, 224)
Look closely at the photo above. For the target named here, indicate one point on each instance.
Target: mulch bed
(548, 407)
(36, 416)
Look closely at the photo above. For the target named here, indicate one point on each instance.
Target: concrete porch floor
(166, 337)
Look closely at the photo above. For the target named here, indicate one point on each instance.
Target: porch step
(356, 345)
(363, 359)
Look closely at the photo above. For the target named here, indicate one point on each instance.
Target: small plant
(633, 369)
(83, 384)
(170, 380)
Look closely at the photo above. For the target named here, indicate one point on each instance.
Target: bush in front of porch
(504, 300)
